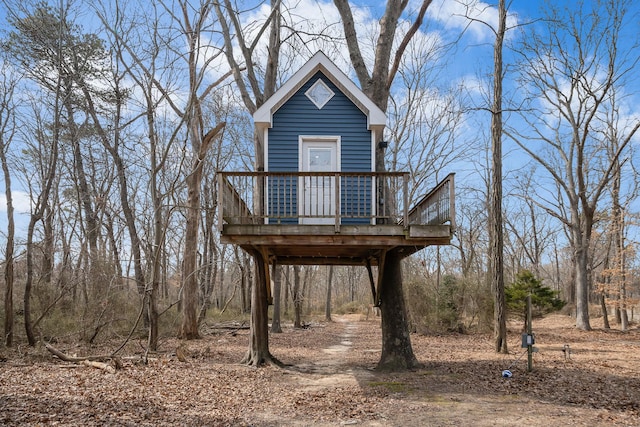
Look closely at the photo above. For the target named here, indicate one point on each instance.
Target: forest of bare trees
(116, 116)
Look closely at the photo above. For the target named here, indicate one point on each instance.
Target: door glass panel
(318, 200)
(320, 159)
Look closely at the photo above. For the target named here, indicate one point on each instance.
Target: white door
(318, 198)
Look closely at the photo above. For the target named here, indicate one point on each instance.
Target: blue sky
(470, 60)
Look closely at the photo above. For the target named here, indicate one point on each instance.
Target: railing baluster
(336, 191)
(376, 197)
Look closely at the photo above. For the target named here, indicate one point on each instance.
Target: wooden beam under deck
(321, 244)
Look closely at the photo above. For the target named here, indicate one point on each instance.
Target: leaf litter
(578, 378)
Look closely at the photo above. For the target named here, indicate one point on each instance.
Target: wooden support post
(373, 285)
(381, 260)
(267, 273)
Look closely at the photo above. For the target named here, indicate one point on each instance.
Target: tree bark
(9, 261)
(397, 352)
(189, 325)
(603, 307)
(201, 144)
(158, 233)
(582, 290)
(209, 271)
(618, 231)
(287, 284)
(496, 239)
(258, 353)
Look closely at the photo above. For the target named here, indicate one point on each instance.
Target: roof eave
(263, 117)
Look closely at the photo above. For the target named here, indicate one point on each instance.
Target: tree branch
(352, 43)
(405, 42)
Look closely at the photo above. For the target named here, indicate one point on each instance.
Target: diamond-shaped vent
(319, 93)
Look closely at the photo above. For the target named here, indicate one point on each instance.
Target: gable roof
(319, 62)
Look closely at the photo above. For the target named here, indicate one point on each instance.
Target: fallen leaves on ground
(330, 380)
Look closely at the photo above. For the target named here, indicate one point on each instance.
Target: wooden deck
(341, 233)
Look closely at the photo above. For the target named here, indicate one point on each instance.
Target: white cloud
(472, 16)
(475, 86)
(310, 18)
(316, 25)
(21, 202)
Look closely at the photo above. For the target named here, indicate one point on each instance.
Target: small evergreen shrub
(543, 299)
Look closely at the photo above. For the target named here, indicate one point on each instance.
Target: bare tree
(466, 259)
(424, 119)
(496, 238)
(495, 221)
(253, 94)
(142, 63)
(425, 122)
(617, 274)
(47, 36)
(397, 352)
(44, 45)
(213, 252)
(190, 21)
(8, 82)
(531, 231)
(570, 73)
(201, 141)
(95, 100)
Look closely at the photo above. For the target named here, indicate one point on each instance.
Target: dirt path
(445, 398)
(322, 376)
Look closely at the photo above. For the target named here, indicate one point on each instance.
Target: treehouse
(319, 199)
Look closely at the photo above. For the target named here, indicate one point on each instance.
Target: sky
(469, 60)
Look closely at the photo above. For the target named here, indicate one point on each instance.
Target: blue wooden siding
(300, 116)
(339, 117)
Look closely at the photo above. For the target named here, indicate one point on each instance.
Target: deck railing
(437, 206)
(336, 198)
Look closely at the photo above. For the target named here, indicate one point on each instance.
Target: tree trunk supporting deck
(258, 353)
(397, 352)
(381, 245)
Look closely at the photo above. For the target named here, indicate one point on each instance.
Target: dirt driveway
(330, 381)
